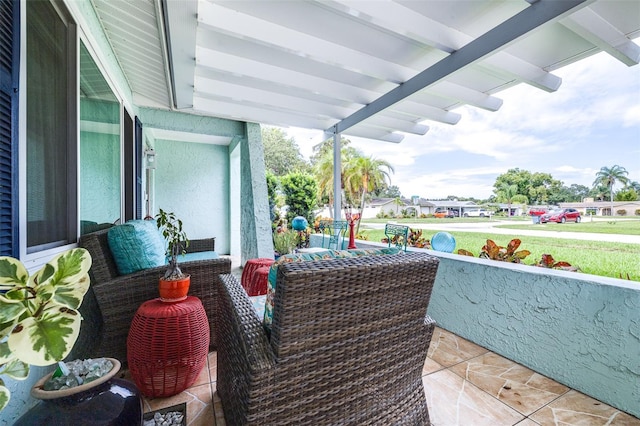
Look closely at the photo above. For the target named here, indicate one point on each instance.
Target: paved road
(491, 226)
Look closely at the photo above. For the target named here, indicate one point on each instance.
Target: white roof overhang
(369, 68)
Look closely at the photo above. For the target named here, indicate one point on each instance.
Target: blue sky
(591, 121)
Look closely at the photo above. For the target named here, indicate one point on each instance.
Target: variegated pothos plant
(39, 320)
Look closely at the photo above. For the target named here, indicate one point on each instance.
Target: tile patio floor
(465, 385)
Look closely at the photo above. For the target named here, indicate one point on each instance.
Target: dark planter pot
(103, 402)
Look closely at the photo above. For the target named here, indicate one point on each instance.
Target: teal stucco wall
(580, 330)
(191, 180)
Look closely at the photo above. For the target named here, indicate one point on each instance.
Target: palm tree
(323, 172)
(609, 176)
(506, 193)
(365, 174)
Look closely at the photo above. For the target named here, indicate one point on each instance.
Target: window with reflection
(99, 148)
(51, 127)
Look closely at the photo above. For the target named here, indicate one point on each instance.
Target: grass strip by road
(592, 257)
(618, 227)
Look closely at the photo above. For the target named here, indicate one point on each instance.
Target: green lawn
(627, 227)
(591, 257)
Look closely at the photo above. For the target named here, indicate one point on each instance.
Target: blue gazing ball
(299, 223)
(443, 241)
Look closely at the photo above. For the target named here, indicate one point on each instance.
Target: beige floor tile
(213, 366)
(453, 401)
(447, 349)
(527, 422)
(430, 366)
(513, 384)
(199, 404)
(574, 408)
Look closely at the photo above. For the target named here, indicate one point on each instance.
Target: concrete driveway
(563, 230)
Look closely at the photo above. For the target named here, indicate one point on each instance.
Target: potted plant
(174, 285)
(39, 320)
(284, 242)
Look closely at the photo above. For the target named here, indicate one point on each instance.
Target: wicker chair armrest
(204, 244)
(246, 362)
(238, 321)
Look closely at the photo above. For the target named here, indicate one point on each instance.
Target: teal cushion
(258, 304)
(136, 245)
(199, 255)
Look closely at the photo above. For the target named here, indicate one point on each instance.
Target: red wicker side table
(258, 284)
(248, 273)
(167, 346)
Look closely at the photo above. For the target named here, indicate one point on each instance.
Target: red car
(537, 211)
(561, 216)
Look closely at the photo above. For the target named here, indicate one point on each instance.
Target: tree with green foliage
(323, 169)
(300, 191)
(272, 194)
(281, 153)
(387, 191)
(363, 174)
(609, 176)
(509, 194)
(325, 148)
(537, 187)
(627, 195)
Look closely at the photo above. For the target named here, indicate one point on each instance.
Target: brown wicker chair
(112, 300)
(349, 339)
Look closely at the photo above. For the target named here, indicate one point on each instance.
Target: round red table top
(156, 308)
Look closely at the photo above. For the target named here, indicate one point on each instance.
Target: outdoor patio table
(167, 346)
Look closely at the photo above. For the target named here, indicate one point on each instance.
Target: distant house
(516, 209)
(603, 208)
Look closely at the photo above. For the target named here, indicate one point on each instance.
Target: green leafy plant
(177, 242)
(285, 241)
(39, 321)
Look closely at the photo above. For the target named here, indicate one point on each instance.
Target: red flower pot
(174, 290)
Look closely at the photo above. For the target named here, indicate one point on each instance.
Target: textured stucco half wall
(254, 209)
(580, 330)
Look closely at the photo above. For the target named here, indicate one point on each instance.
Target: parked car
(476, 213)
(537, 211)
(440, 213)
(561, 216)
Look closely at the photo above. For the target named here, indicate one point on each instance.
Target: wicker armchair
(112, 300)
(349, 339)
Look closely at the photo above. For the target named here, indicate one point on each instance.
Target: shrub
(637, 212)
(621, 212)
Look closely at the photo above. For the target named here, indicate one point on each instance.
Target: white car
(476, 213)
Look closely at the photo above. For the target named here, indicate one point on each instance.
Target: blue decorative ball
(299, 223)
(443, 241)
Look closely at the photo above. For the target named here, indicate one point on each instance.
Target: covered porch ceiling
(376, 69)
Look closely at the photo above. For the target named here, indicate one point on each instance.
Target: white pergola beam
(594, 28)
(398, 18)
(496, 39)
